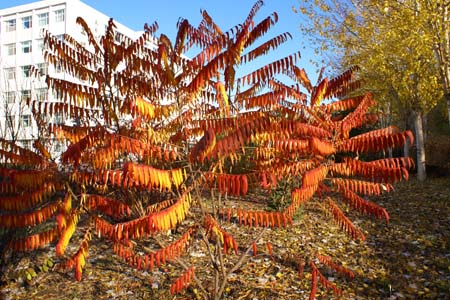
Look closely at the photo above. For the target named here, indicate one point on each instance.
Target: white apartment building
(21, 43)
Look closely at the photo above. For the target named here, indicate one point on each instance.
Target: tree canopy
(393, 43)
(401, 48)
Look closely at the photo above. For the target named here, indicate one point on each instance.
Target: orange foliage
(31, 218)
(225, 239)
(177, 126)
(344, 222)
(35, 241)
(182, 282)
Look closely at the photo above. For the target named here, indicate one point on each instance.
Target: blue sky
(226, 13)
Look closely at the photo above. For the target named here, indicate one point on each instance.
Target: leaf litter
(407, 259)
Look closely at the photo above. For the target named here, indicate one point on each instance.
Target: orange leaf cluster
(257, 218)
(159, 221)
(42, 150)
(231, 184)
(363, 205)
(319, 92)
(68, 224)
(204, 147)
(30, 218)
(300, 196)
(356, 118)
(224, 124)
(302, 129)
(78, 260)
(29, 179)
(325, 282)
(35, 241)
(157, 258)
(300, 76)
(267, 180)
(291, 145)
(72, 134)
(326, 260)
(27, 200)
(342, 105)
(362, 187)
(225, 238)
(386, 171)
(269, 100)
(77, 94)
(74, 152)
(13, 154)
(320, 147)
(395, 162)
(269, 70)
(182, 282)
(108, 206)
(342, 84)
(236, 139)
(314, 176)
(115, 145)
(293, 168)
(53, 108)
(375, 143)
(143, 108)
(113, 177)
(145, 176)
(344, 222)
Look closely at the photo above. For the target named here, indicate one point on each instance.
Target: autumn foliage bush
(163, 134)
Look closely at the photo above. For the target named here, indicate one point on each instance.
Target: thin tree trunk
(408, 126)
(420, 145)
(406, 148)
(425, 128)
(447, 99)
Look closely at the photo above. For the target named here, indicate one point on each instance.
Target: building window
(60, 38)
(26, 144)
(118, 37)
(10, 49)
(58, 118)
(59, 15)
(10, 73)
(25, 95)
(10, 25)
(26, 71)
(42, 94)
(58, 68)
(42, 69)
(25, 121)
(10, 97)
(27, 22)
(26, 47)
(43, 19)
(40, 45)
(57, 95)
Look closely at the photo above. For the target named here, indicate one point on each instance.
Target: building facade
(22, 66)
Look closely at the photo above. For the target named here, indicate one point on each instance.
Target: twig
(242, 259)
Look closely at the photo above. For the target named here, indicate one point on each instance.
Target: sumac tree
(162, 134)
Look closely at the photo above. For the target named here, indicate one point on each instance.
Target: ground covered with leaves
(407, 259)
